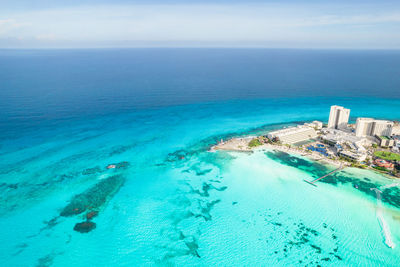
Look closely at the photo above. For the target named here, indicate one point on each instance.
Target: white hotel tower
(372, 127)
(338, 117)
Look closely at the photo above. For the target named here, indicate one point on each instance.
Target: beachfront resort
(369, 143)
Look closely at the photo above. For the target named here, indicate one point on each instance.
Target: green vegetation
(347, 159)
(358, 165)
(387, 155)
(380, 168)
(255, 142)
(374, 145)
(274, 141)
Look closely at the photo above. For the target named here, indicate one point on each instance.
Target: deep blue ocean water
(67, 114)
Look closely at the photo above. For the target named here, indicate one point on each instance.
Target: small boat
(111, 166)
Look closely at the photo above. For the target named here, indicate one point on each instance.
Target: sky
(340, 24)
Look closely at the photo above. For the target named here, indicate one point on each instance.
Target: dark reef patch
(176, 217)
(50, 224)
(206, 209)
(314, 168)
(20, 248)
(390, 195)
(206, 187)
(84, 227)
(189, 246)
(197, 170)
(317, 248)
(302, 237)
(192, 205)
(94, 197)
(45, 261)
(91, 214)
(90, 171)
(119, 165)
(10, 186)
(116, 150)
(178, 155)
(222, 188)
(192, 244)
(203, 172)
(338, 257)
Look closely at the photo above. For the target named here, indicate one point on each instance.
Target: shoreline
(310, 155)
(239, 145)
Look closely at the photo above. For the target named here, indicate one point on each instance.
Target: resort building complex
(338, 117)
(371, 127)
(369, 143)
(342, 139)
(294, 135)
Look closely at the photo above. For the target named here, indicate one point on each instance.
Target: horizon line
(200, 47)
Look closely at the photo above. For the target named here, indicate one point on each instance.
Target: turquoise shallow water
(170, 202)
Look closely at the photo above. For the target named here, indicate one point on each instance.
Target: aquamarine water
(174, 202)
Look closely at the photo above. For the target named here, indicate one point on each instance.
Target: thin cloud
(287, 25)
(9, 25)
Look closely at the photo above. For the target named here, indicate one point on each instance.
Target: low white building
(293, 135)
(359, 146)
(337, 136)
(397, 142)
(315, 124)
(353, 156)
(385, 141)
(396, 129)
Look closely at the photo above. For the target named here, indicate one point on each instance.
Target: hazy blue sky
(235, 23)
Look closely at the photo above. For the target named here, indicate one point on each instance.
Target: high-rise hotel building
(372, 127)
(338, 117)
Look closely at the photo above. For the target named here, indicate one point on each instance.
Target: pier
(322, 177)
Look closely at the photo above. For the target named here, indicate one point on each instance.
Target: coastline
(240, 145)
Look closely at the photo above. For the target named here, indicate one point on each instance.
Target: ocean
(151, 116)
